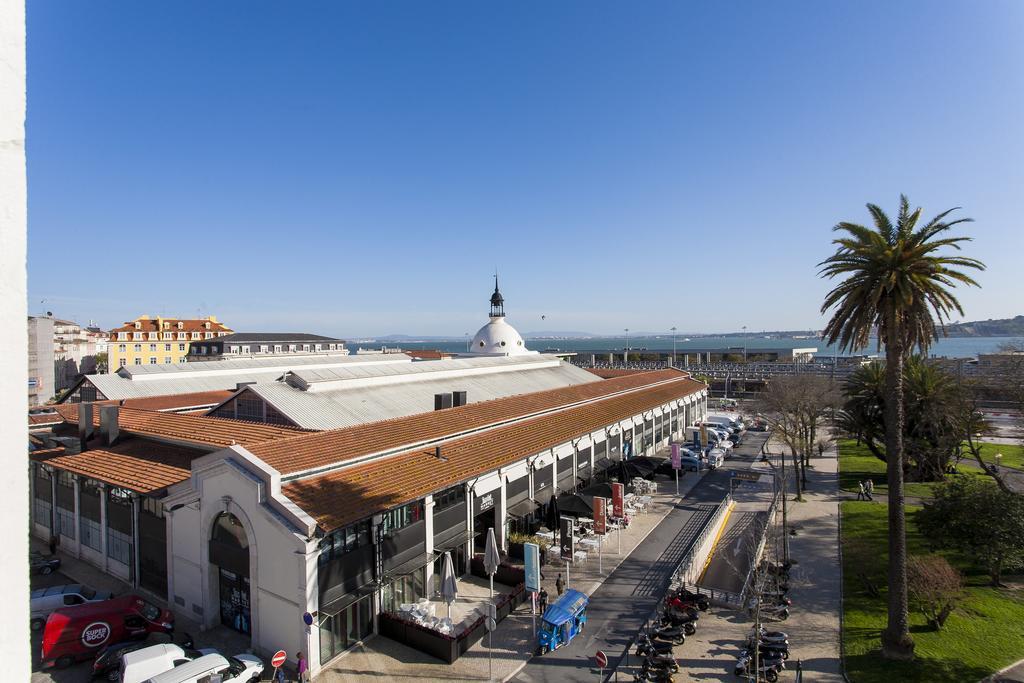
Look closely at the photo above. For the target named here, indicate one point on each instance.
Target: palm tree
(896, 281)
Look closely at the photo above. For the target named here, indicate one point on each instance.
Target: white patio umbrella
(491, 558)
(449, 588)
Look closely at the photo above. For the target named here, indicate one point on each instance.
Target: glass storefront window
(346, 628)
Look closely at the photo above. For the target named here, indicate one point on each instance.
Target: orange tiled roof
(310, 451)
(202, 399)
(135, 464)
(198, 429)
(608, 373)
(152, 325)
(348, 495)
(38, 419)
(428, 354)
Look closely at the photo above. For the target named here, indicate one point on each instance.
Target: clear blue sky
(362, 168)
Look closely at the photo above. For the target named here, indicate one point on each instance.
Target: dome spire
(497, 302)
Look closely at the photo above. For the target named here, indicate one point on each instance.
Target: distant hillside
(1007, 327)
(555, 334)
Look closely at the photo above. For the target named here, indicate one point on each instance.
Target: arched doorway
(229, 552)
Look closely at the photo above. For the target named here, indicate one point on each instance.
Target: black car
(43, 564)
(108, 660)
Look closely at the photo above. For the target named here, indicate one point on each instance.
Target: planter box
(447, 648)
(515, 552)
(508, 574)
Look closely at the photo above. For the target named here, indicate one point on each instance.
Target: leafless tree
(934, 587)
(795, 407)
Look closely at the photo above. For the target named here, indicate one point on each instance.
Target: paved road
(628, 596)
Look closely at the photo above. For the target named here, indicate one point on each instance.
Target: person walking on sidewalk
(869, 488)
(303, 668)
(559, 584)
(543, 600)
(861, 493)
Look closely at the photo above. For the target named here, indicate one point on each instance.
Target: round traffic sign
(602, 659)
(278, 659)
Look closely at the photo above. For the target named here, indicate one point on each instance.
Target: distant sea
(953, 347)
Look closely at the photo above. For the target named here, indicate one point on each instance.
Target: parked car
(108, 660)
(77, 633)
(45, 600)
(43, 564)
(240, 668)
(142, 664)
(715, 457)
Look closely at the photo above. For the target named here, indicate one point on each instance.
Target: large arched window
(229, 545)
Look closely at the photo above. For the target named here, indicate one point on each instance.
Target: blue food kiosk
(561, 621)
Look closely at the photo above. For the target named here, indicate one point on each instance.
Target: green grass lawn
(1013, 455)
(856, 463)
(982, 635)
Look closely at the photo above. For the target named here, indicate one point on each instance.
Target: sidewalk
(514, 639)
(815, 588)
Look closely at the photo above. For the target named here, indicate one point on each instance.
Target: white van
(240, 669)
(726, 421)
(138, 665)
(715, 457)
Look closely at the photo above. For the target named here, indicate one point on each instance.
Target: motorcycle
(681, 604)
(776, 596)
(646, 646)
(675, 634)
(767, 636)
(659, 664)
(654, 675)
(770, 650)
(687, 622)
(769, 668)
(777, 613)
(699, 599)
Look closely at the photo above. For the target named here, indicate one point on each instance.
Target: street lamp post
(673, 347)
(744, 343)
(625, 357)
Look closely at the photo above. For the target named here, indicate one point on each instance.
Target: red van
(76, 633)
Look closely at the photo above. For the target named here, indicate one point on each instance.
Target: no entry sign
(279, 657)
(602, 659)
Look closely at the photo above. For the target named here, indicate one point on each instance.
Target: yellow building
(158, 341)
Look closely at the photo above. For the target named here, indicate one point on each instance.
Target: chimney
(442, 401)
(239, 385)
(438, 455)
(458, 398)
(108, 424)
(86, 429)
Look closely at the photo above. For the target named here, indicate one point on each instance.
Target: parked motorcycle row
(677, 618)
(772, 647)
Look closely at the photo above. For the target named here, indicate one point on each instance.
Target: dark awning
(452, 538)
(603, 464)
(337, 605)
(523, 508)
(409, 566)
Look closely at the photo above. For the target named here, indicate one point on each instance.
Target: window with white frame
(152, 360)
(123, 362)
(167, 347)
(152, 347)
(138, 361)
(167, 360)
(181, 347)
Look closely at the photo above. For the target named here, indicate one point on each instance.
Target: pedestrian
(279, 676)
(53, 544)
(303, 668)
(869, 488)
(543, 600)
(559, 584)
(861, 493)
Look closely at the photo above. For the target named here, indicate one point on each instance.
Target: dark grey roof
(256, 337)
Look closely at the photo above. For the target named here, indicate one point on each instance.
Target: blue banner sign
(531, 559)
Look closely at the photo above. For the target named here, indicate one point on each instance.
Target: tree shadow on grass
(871, 667)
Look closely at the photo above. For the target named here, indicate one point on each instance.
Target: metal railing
(683, 571)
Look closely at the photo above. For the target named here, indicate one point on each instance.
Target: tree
(794, 405)
(895, 282)
(934, 586)
(978, 519)
(933, 408)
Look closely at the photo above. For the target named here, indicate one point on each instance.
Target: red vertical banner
(618, 490)
(600, 515)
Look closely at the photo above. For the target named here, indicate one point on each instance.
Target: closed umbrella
(449, 588)
(491, 558)
(553, 515)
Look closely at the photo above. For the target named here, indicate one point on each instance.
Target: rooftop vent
(442, 401)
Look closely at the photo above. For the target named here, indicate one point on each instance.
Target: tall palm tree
(897, 282)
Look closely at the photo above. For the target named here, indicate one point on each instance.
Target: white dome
(500, 338)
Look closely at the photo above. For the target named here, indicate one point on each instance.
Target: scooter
(699, 599)
(674, 634)
(658, 663)
(686, 626)
(766, 636)
(687, 622)
(776, 613)
(655, 655)
(770, 650)
(646, 646)
(654, 675)
(769, 668)
(680, 603)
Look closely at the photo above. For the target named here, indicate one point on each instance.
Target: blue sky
(362, 168)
